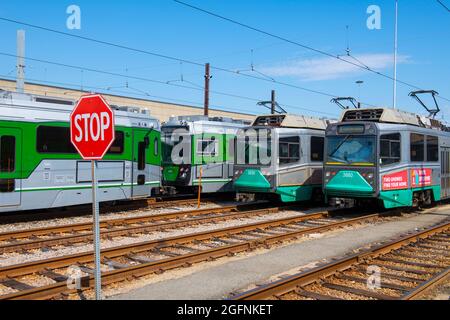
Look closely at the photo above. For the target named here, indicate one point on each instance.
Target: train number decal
(395, 181)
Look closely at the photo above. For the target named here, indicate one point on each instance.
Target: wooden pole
(207, 78)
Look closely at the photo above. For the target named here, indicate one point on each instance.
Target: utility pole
(207, 78)
(272, 103)
(395, 55)
(20, 80)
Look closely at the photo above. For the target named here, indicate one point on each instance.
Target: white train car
(39, 167)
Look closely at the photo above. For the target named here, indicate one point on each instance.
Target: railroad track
(408, 267)
(69, 234)
(83, 210)
(47, 279)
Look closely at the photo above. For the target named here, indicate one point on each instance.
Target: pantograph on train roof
(291, 121)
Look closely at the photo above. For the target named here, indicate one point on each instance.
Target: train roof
(392, 116)
(203, 124)
(291, 121)
(35, 108)
(177, 120)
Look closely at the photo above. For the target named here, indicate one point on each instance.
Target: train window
(7, 185)
(207, 147)
(57, 140)
(155, 146)
(7, 154)
(118, 144)
(417, 147)
(141, 155)
(289, 150)
(54, 140)
(390, 148)
(432, 148)
(317, 148)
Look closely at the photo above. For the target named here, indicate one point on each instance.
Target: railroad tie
(424, 246)
(440, 241)
(313, 295)
(86, 269)
(363, 269)
(53, 275)
(224, 241)
(382, 284)
(166, 253)
(417, 264)
(420, 257)
(441, 238)
(185, 248)
(114, 264)
(140, 259)
(15, 284)
(397, 268)
(359, 292)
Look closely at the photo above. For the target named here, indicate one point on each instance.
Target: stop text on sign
(91, 126)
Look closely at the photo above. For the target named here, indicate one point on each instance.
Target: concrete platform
(216, 282)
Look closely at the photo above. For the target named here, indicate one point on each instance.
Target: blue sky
(166, 27)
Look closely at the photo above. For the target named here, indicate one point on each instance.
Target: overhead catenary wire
(168, 83)
(234, 72)
(442, 4)
(73, 89)
(304, 46)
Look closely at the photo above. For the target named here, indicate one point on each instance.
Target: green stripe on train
(29, 158)
(60, 188)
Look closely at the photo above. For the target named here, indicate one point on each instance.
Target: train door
(445, 173)
(10, 166)
(141, 170)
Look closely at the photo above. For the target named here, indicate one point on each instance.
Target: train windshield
(355, 150)
(170, 137)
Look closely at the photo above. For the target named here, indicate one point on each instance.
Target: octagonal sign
(92, 127)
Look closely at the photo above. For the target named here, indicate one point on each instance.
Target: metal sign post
(92, 134)
(96, 231)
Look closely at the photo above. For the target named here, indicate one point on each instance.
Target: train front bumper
(348, 184)
(252, 180)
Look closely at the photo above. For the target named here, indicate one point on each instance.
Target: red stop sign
(92, 127)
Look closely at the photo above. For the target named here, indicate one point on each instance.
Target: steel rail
(422, 289)
(64, 261)
(131, 230)
(302, 279)
(130, 272)
(65, 228)
(83, 210)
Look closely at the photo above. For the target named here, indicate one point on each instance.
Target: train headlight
(370, 176)
(327, 174)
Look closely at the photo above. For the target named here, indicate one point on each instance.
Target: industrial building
(159, 109)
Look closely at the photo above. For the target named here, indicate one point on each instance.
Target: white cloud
(331, 68)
